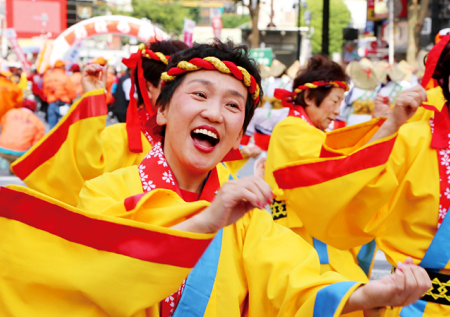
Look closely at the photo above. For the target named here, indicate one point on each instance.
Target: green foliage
(231, 20)
(339, 19)
(170, 16)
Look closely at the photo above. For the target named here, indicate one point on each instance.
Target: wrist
(391, 125)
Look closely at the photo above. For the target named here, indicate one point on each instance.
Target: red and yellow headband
(317, 84)
(148, 53)
(134, 62)
(213, 63)
(287, 98)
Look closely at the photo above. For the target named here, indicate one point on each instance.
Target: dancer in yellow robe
(301, 136)
(128, 254)
(388, 185)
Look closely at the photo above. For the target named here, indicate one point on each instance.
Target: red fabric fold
(432, 60)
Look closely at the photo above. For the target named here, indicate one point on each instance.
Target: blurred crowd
(373, 89)
(31, 105)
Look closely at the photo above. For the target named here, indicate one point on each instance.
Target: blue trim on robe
(329, 298)
(200, 282)
(438, 253)
(365, 256)
(435, 259)
(322, 251)
(414, 310)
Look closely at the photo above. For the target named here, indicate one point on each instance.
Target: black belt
(440, 291)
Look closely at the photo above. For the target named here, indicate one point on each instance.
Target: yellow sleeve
(292, 139)
(287, 283)
(352, 191)
(79, 148)
(63, 259)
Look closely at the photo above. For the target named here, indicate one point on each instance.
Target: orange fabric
(110, 79)
(11, 96)
(21, 129)
(58, 86)
(76, 80)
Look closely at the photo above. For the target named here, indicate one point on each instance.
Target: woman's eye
(200, 94)
(234, 105)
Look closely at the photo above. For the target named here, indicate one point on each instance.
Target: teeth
(206, 132)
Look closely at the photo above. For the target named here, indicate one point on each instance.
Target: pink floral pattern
(444, 177)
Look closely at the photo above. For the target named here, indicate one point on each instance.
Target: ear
(238, 140)
(161, 116)
(308, 100)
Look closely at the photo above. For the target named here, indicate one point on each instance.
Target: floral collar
(156, 173)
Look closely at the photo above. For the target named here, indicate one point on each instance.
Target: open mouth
(205, 138)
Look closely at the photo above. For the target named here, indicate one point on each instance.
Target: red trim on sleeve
(101, 235)
(262, 140)
(91, 106)
(245, 139)
(320, 172)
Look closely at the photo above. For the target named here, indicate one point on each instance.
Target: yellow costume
(294, 139)
(119, 261)
(388, 190)
(80, 148)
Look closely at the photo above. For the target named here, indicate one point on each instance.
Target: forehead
(215, 80)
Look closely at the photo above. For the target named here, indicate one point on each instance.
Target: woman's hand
(402, 288)
(381, 107)
(94, 77)
(406, 105)
(233, 201)
(249, 151)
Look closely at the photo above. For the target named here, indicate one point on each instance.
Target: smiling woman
(165, 238)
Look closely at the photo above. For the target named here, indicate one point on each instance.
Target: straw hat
(362, 74)
(277, 68)
(406, 68)
(293, 69)
(4, 69)
(264, 71)
(384, 69)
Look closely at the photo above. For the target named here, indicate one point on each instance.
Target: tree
(230, 21)
(254, 14)
(339, 19)
(416, 15)
(169, 16)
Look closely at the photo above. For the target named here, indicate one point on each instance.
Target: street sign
(262, 55)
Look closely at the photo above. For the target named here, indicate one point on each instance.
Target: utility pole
(435, 18)
(299, 34)
(326, 28)
(391, 31)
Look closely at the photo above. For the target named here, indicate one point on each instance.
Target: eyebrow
(209, 83)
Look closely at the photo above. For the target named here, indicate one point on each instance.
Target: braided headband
(213, 63)
(317, 84)
(158, 56)
(134, 62)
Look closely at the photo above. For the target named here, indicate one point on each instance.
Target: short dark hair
(152, 68)
(442, 71)
(319, 68)
(223, 51)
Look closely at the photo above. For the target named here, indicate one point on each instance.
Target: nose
(213, 112)
(337, 109)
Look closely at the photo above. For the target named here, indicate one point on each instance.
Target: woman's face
(327, 111)
(153, 92)
(203, 120)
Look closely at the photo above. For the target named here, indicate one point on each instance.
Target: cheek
(235, 121)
